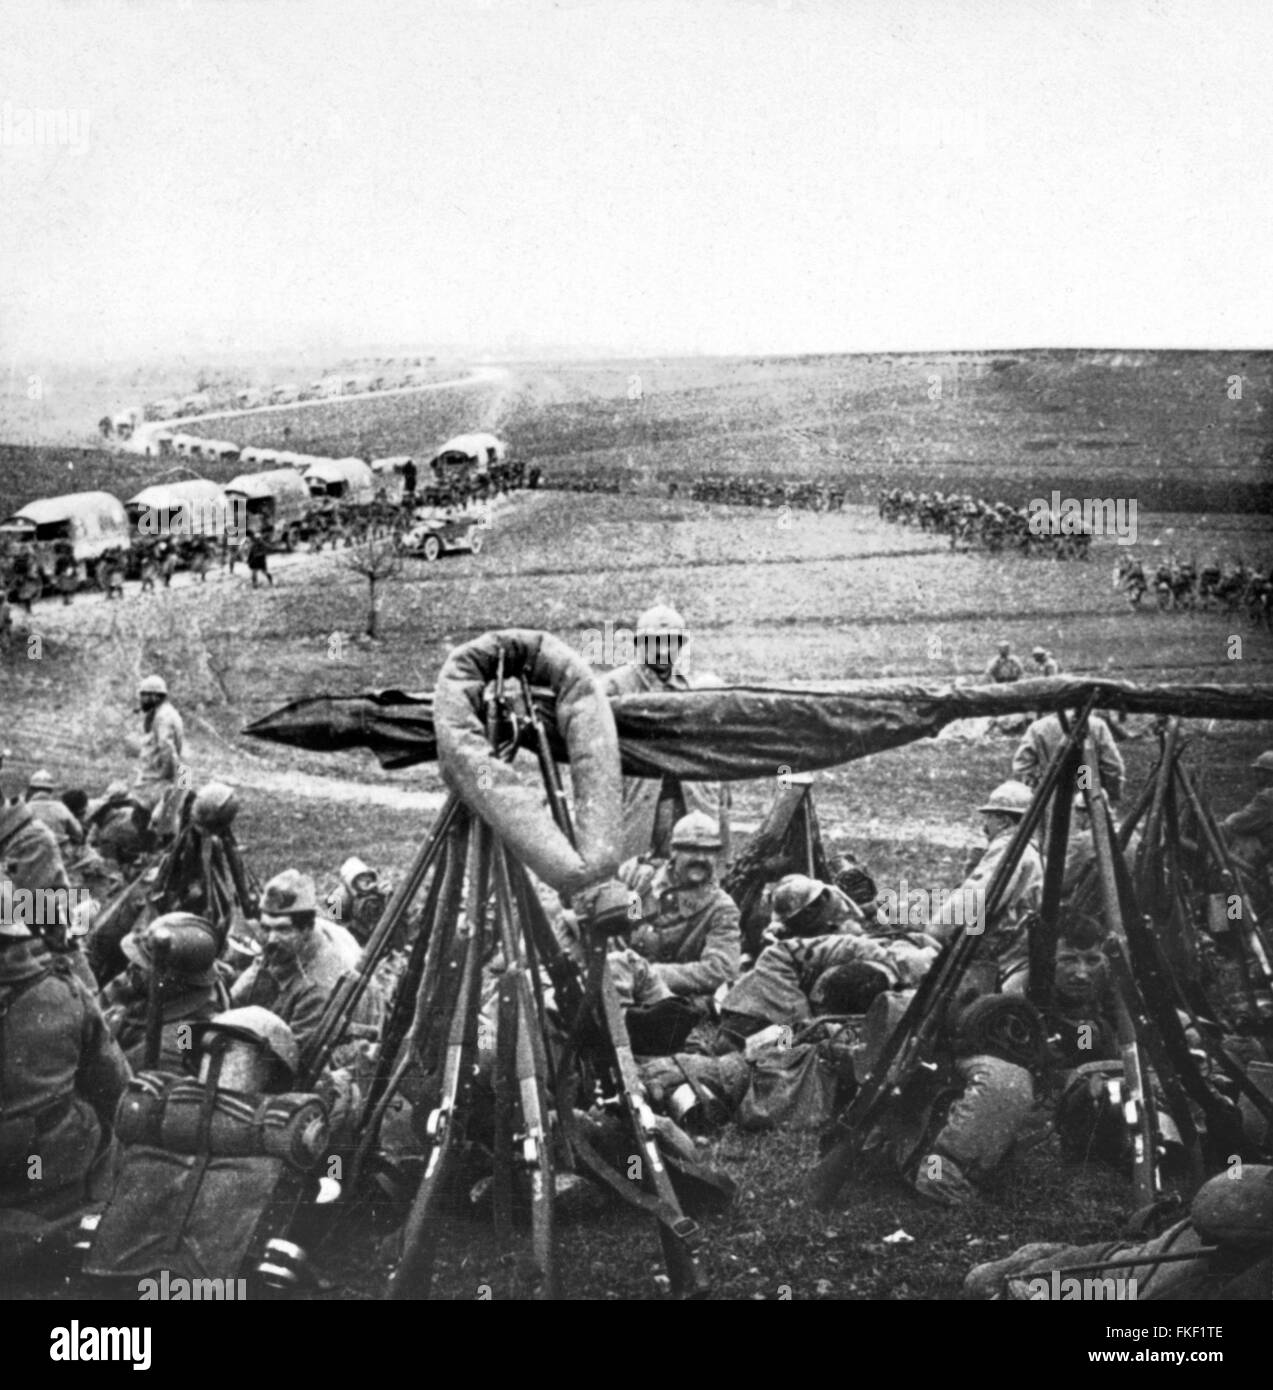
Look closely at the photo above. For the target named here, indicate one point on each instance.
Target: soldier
(44, 806)
(1004, 949)
(303, 959)
(1250, 830)
(199, 558)
(159, 767)
(190, 988)
(147, 571)
(61, 1076)
(794, 975)
(1004, 668)
(651, 807)
(803, 906)
(1045, 736)
(1044, 663)
(167, 557)
(258, 560)
(690, 927)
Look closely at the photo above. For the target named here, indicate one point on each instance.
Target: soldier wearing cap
(1004, 668)
(1005, 945)
(60, 819)
(159, 764)
(190, 988)
(1250, 830)
(651, 807)
(61, 1076)
(690, 926)
(303, 958)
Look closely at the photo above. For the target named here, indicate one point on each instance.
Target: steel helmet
(352, 870)
(661, 621)
(215, 806)
(193, 946)
(1010, 798)
(41, 781)
(253, 1024)
(793, 894)
(288, 895)
(1264, 763)
(1039, 651)
(1235, 1208)
(697, 831)
(611, 907)
(153, 685)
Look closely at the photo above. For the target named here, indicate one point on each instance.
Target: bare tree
(377, 560)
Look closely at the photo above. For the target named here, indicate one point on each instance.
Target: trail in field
(477, 377)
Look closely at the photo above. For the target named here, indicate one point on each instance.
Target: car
(434, 536)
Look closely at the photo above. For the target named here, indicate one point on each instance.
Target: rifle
(160, 949)
(345, 998)
(446, 1123)
(907, 1063)
(1248, 925)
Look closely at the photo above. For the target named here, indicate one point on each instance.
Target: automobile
(433, 536)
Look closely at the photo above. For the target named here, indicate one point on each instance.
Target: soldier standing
(159, 765)
(650, 806)
(258, 560)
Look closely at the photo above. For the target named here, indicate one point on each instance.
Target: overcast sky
(786, 176)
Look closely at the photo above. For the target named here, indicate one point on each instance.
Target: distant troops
(1004, 667)
(1045, 664)
(258, 560)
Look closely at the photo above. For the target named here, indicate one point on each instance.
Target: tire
(431, 548)
(475, 544)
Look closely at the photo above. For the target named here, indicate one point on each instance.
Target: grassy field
(798, 599)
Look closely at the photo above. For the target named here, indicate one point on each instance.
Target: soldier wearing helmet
(690, 928)
(159, 766)
(803, 906)
(303, 958)
(1004, 668)
(60, 819)
(1045, 664)
(61, 1076)
(652, 806)
(1004, 947)
(190, 987)
(1249, 831)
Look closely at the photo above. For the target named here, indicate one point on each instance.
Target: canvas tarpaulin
(738, 733)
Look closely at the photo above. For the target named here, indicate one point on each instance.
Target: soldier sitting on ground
(190, 989)
(61, 1076)
(303, 958)
(689, 925)
(44, 806)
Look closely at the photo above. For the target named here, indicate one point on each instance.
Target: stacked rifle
(1155, 940)
(481, 909)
